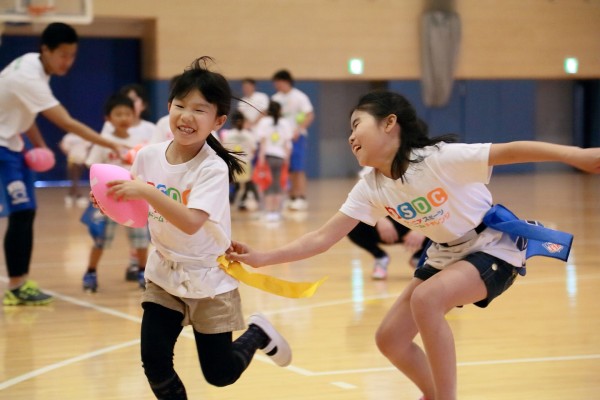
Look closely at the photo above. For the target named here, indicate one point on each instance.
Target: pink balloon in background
(40, 159)
(132, 213)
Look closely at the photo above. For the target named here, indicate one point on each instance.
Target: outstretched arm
(60, 117)
(530, 151)
(306, 246)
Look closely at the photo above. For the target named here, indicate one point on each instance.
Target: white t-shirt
(257, 99)
(240, 140)
(186, 265)
(75, 147)
(143, 132)
(278, 138)
(443, 197)
(294, 104)
(24, 92)
(103, 155)
(163, 130)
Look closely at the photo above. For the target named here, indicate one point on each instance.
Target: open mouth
(186, 130)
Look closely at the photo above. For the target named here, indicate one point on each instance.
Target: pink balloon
(133, 213)
(40, 159)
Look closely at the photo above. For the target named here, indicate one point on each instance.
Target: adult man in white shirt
(298, 110)
(24, 93)
(254, 104)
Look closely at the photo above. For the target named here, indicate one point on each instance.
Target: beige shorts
(218, 315)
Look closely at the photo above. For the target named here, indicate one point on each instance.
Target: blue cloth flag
(530, 236)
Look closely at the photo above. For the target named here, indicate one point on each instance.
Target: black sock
(171, 389)
(246, 345)
(90, 270)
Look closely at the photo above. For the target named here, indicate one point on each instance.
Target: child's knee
(220, 379)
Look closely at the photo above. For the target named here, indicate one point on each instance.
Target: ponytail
(234, 164)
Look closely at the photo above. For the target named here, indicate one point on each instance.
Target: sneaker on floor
(380, 268)
(28, 294)
(90, 282)
(141, 279)
(278, 348)
(131, 274)
(82, 202)
(69, 201)
(299, 204)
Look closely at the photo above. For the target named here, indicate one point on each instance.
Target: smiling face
(192, 119)
(374, 143)
(121, 117)
(58, 61)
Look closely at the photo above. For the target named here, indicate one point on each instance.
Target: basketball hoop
(39, 10)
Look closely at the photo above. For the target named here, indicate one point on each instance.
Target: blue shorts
(18, 190)
(298, 157)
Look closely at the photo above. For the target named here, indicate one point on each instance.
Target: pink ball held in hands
(132, 213)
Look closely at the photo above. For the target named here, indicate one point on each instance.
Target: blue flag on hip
(530, 235)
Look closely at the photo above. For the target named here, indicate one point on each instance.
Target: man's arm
(60, 117)
(35, 136)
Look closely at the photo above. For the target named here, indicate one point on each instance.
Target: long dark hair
(215, 89)
(274, 111)
(413, 131)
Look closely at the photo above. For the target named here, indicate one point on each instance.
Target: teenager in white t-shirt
(186, 183)
(24, 93)
(253, 104)
(438, 189)
(297, 108)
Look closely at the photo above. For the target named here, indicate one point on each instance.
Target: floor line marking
(37, 372)
(297, 370)
(468, 364)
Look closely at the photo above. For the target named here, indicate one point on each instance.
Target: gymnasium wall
(501, 38)
(510, 78)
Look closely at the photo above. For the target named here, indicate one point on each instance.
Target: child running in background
(275, 135)
(76, 149)
(438, 189)
(119, 112)
(186, 183)
(143, 132)
(240, 140)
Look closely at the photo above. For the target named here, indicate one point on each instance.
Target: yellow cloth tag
(268, 283)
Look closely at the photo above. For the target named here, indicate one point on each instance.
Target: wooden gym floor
(541, 340)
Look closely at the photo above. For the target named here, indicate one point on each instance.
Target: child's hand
(588, 160)
(126, 190)
(241, 252)
(94, 202)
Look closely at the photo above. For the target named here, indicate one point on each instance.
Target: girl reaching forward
(438, 189)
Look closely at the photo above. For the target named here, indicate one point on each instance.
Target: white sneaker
(278, 348)
(380, 268)
(82, 202)
(68, 201)
(299, 204)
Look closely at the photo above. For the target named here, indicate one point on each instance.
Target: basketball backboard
(46, 11)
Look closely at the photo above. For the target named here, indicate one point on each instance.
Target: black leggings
(18, 242)
(367, 237)
(161, 328)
